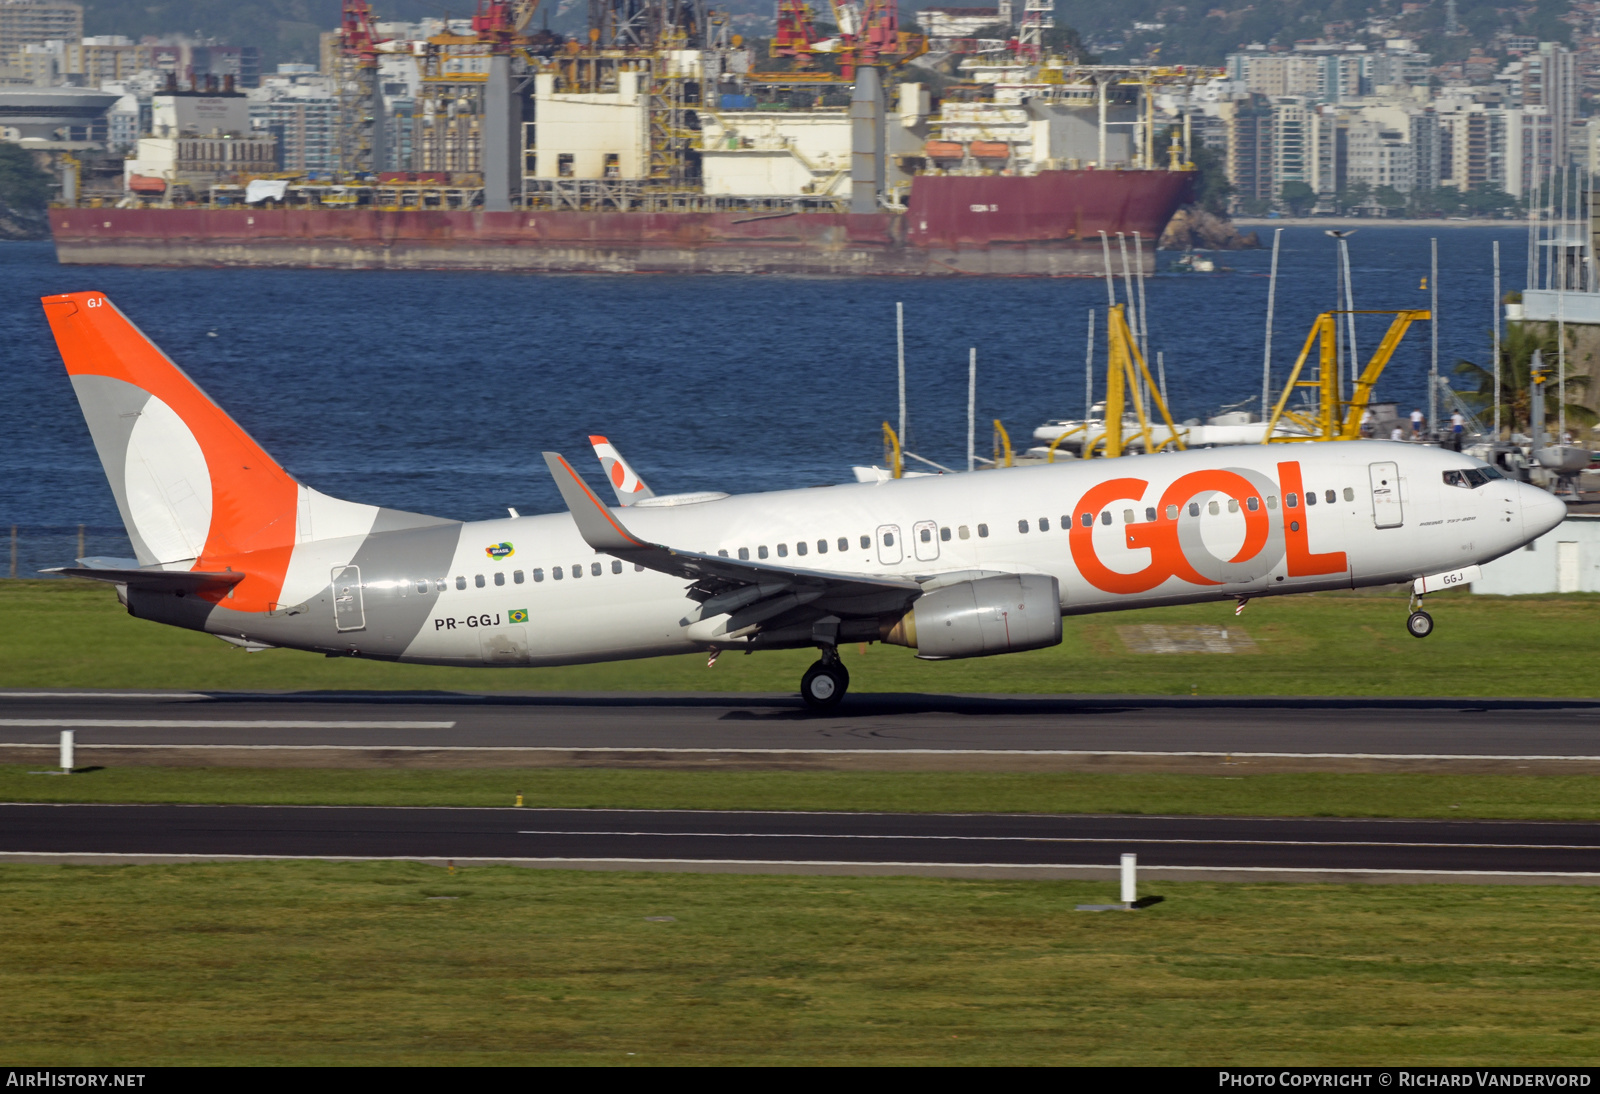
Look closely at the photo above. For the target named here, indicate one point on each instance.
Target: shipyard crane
(501, 22)
(361, 127)
(869, 34)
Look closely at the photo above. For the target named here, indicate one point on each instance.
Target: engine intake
(977, 618)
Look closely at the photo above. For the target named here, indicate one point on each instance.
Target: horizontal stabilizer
(161, 581)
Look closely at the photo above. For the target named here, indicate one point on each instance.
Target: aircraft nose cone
(1541, 510)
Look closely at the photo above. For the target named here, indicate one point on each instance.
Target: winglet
(596, 523)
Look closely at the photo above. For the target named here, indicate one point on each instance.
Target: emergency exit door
(349, 614)
(1386, 511)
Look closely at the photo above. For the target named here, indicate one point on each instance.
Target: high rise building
(24, 22)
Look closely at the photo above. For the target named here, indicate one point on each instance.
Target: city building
(30, 22)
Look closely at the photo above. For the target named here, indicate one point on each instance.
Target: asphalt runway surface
(1509, 731)
(824, 842)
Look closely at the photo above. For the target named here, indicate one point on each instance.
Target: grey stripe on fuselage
(402, 545)
(111, 408)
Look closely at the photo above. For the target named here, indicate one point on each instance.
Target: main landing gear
(825, 682)
(1419, 624)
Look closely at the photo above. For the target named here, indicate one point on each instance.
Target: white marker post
(1130, 878)
(66, 751)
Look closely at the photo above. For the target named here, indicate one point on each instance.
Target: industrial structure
(662, 141)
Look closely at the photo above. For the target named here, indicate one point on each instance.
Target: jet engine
(981, 617)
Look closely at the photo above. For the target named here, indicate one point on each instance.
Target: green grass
(1539, 797)
(74, 634)
(319, 963)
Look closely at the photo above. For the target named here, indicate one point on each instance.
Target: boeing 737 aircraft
(952, 566)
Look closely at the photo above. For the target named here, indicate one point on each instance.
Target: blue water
(436, 392)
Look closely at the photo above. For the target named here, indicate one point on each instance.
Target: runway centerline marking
(1084, 839)
(209, 723)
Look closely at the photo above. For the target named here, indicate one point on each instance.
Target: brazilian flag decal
(519, 615)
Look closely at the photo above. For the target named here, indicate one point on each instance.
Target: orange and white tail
(195, 491)
(624, 479)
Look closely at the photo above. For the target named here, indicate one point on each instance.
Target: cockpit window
(1468, 479)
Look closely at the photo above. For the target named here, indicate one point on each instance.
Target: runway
(972, 845)
(884, 732)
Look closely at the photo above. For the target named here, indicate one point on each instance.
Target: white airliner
(952, 566)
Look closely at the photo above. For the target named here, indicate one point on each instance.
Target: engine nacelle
(986, 616)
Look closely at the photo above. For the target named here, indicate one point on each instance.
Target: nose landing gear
(825, 682)
(1419, 624)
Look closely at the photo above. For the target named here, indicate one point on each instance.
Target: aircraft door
(890, 549)
(1386, 511)
(925, 540)
(349, 613)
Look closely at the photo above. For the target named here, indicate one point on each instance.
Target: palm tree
(1516, 386)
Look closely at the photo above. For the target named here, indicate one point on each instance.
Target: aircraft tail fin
(190, 483)
(625, 481)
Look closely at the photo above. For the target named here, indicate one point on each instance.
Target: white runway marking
(1084, 839)
(195, 723)
(160, 696)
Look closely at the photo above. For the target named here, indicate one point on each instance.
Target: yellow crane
(1329, 419)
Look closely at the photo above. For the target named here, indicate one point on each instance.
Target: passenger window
(1349, 494)
(538, 576)
(1212, 508)
(1330, 497)
(744, 554)
(927, 535)
(866, 542)
(800, 548)
(500, 579)
(1292, 500)
(1172, 512)
(1127, 516)
(1311, 497)
(422, 586)
(822, 546)
(1272, 501)
(1233, 505)
(461, 582)
(440, 586)
(761, 551)
(724, 554)
(477, 579)
(516, 576)
(1044, 524)
(944, 535)
(638, 569)
(844, 543)
(1022, 526)
(888, 539)
(1086, 519)
(983, 531)
(577, 571)
(616, 567)
(1150, 513)
(1194, 509)
(783, 550)
(594, 568)
(556, 572)
(1253, 502)
(963, 533)
(1105, 518)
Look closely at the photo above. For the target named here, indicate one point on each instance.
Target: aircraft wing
(741, 587)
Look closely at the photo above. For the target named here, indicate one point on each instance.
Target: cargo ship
(1047, 224)
(623, 155)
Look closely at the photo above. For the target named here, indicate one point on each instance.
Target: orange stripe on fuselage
(252, 499)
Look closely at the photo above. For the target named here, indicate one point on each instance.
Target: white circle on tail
(168, 484)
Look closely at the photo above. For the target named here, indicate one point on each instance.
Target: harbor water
(436, 392)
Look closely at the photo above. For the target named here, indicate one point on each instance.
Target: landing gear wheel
(1419, 625)
(823, 685)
